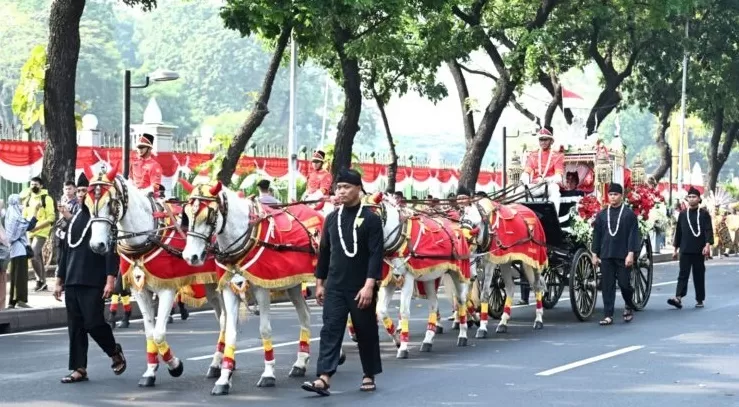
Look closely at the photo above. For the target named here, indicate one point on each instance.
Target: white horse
(502, 233)
(239, 227)
(405, 246)
(125, 214)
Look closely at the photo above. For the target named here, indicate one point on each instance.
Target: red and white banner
(21, 160)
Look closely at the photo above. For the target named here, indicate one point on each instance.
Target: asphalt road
(664, 357)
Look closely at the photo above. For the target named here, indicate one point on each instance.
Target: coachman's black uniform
(612, 250)
(344, 277)
(691, 250)
(83, 274)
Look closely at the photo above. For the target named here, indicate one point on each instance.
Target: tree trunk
(555, 89)
(468, 118)
(719, 152)
(665, 152)
(392, 167)
(258, 112)
(60, 153)
(349, 122)
(607, 101)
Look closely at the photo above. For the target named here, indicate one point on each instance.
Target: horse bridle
(487, 234)
(398, 229)
(117, 202)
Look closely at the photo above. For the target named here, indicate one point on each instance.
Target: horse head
(107, 200)
(208, 208)
(474, 222)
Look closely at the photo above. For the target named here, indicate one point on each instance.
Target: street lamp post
(160, 75)
(505, 155)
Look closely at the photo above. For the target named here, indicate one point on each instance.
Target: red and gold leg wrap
(462, 315)
(404, 335)
(539, 302)
(221, 345)
(269, 353)
(164, 350)
(471, 308)
(350, 326)
(484, 311)
(152, 356)
(304, 341)
(387, 322)
(304, 289)
(228, 357)
(508, 304)
(126, 300)
(433, 318)
(114, 303)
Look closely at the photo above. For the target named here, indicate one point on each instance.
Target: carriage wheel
(555, 286)
(583, 286)
(497, 297)
(642, 275)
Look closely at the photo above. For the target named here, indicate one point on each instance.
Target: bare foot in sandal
(628, 315)
(368, 384)
(77, 375)
(319, 386)
(606, 321)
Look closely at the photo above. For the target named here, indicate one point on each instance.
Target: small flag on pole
(571, 100)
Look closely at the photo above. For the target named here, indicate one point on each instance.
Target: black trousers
(336, 305)
(612, 270)
(18, 280)
(696, 262)
(86, 315)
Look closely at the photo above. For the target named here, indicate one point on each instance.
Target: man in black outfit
(616, 241)
(87, 278)
(349, 265)
(693, 238)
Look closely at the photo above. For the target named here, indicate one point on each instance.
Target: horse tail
(243, 309)
(474, 293)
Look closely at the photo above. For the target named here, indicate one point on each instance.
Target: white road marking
(254, 349)
(584, 362)
(665, 283)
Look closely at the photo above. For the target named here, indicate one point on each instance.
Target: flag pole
(681, 142)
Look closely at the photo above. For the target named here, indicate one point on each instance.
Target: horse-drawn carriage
(570, 260)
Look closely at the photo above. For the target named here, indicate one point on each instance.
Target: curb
(21, 320)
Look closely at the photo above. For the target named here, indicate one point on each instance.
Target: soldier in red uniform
(545, 166)
(145, 170)
(319, 180)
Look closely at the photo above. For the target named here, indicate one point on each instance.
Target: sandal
(119, 361)
(321, 391)
(606, 321)
(675, 302)
(368, 384)
(80, 377)
(699, 304)
(628, 315)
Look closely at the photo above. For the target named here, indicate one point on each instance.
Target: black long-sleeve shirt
(684, 237)
(340, 271)
(627, 237)
(79, 265)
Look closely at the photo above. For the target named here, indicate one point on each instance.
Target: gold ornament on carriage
(603, 169)
(515, 170)
(638, 173)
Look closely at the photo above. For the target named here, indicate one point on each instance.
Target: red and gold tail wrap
(266, 266)
(517, 234)
(431, 245)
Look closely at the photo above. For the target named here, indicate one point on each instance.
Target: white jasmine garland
(697, 221)
(618, 221)
(354, 230)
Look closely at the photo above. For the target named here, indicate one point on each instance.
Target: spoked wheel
(497, 297)
(642, 275)
(555, 285)
(583, 285)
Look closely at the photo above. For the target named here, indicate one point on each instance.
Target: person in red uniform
(319, 180)
(545, 166)
(145, 170)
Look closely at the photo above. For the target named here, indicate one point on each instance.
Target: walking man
(349, 265)
(693, 240)
(38, 202)
(88, 279)
(615, 243)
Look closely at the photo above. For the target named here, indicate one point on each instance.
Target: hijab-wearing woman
(4, 260)
(15, 230)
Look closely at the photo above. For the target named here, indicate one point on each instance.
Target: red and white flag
(571, 100)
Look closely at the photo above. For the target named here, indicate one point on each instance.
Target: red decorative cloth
(517, 235)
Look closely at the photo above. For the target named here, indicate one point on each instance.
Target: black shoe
(184, 313)
(44, 287)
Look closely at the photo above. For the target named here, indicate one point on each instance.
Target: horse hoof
(124, 324)
(455, 326)
(402, 354)
(297, 372)
(266, 382)
(177, 371)
(501, 329)
(471, 324)
(147, 381)
(538, 325)
(170, 320)
(425, 347)
(220, 389)
(461, 341)
(439, 329)
(213, 372)
(481, 334)
(342, 358)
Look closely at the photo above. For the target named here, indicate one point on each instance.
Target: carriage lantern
(603, 169)
(638, 174)
(515, 170)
